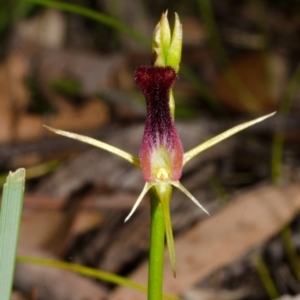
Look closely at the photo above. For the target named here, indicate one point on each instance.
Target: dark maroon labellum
(155, 83)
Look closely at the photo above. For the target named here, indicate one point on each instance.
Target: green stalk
(157, 243)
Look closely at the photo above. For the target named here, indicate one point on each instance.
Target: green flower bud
(166, 47)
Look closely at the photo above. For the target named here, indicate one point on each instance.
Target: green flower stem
(157, 243)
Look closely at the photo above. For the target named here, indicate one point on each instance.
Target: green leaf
(10, 217)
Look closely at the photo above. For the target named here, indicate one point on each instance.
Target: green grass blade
(102, 18)
(89, 272)
(10, 217)
(203, 90)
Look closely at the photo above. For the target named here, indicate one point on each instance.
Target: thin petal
(127, 156)
(165, 35)
(169, 234)
(174, 54)
(186, 192)
(146, 188)
(215, 140)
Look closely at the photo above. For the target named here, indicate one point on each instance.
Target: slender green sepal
(146, 188)
(125, 155)
(215, 140)
(10, 218)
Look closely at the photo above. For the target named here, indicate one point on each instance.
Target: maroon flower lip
(160, 131)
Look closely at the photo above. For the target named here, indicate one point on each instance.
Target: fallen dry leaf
(13, 94)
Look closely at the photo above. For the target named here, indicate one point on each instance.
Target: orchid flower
(161, 157)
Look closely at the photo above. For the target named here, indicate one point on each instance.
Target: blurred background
(70, 65)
